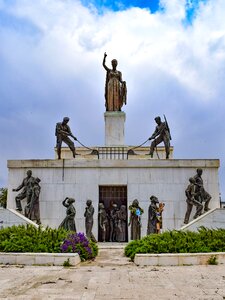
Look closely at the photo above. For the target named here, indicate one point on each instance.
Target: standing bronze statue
(32, 210)
(113, 219)
(26, 187)
(69, 222)
(115, 87)
(152, 215)
(135, 220)
(201, 194)
(63, 132)
(161, 134)
(192, 196)
(122, 224)
(102, 221)
(89, 220)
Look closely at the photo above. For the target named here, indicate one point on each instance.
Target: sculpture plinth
(114, 128)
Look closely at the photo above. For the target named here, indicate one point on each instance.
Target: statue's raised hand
(105, 55)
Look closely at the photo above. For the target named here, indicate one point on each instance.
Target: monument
(115, 97)
(113, 178)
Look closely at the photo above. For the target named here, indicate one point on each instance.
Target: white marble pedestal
(114, 128)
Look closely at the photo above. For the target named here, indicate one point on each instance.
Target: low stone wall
(46, 259)
(178, 259)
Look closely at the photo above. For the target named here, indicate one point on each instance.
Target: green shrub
(27, 238)
(205, 240)
(31, 239)
(3, 197)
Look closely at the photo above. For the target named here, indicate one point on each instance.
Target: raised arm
(103, 63)
(64, 203)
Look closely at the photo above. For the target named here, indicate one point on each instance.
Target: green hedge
(27, 238)
(205, 240)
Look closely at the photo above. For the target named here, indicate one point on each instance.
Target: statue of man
(161, 134)
(201, 194)
(115, 87)
(88, 214)
(26, 187)
(191, 192)
(152, 215)
(62, 132)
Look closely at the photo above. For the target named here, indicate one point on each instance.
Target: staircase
(111, 254)
(213, 219)
(10, 217)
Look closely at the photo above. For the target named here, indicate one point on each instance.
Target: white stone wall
(80, 179)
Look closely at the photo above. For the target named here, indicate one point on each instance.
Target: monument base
(114, 128)
(114, 181)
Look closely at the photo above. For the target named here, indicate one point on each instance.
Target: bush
(27, 238)
(3, 197)
(205, 240)
(78, 243)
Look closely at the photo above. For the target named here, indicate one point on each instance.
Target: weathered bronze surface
(89, 220)
(26, 187)
(115, 87)
(161, 134)
(201, 194)
(121, 224)
(135, 220)
(152, 215)
(32, 209)
(69, 222)
(63, 132)
(192, 199)
(102, 221)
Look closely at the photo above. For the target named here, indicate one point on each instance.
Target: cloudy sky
(171, 54)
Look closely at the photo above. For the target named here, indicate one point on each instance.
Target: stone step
(111, 254)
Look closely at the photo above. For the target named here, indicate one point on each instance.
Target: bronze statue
(122, 224)
(152, 215)
(32, 209)
(161, 134)
(62, 132)
(135, 220)
(69, 222)
(88, 214)
(113, 219)
(26, 187)
(201, 194)
(192, 194)
(102, 221)
(115, 87)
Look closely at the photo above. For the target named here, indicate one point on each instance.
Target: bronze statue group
(113, 223)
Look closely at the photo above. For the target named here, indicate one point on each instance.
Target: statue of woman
(115, 88)
(34, 209)
(69, 223)
(135, 220)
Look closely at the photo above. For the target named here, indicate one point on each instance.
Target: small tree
(3, 197)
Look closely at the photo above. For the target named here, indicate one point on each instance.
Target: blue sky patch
(153, 5)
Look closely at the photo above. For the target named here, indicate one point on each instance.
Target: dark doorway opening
(114, 199)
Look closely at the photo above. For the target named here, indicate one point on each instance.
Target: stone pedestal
(114, 128)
